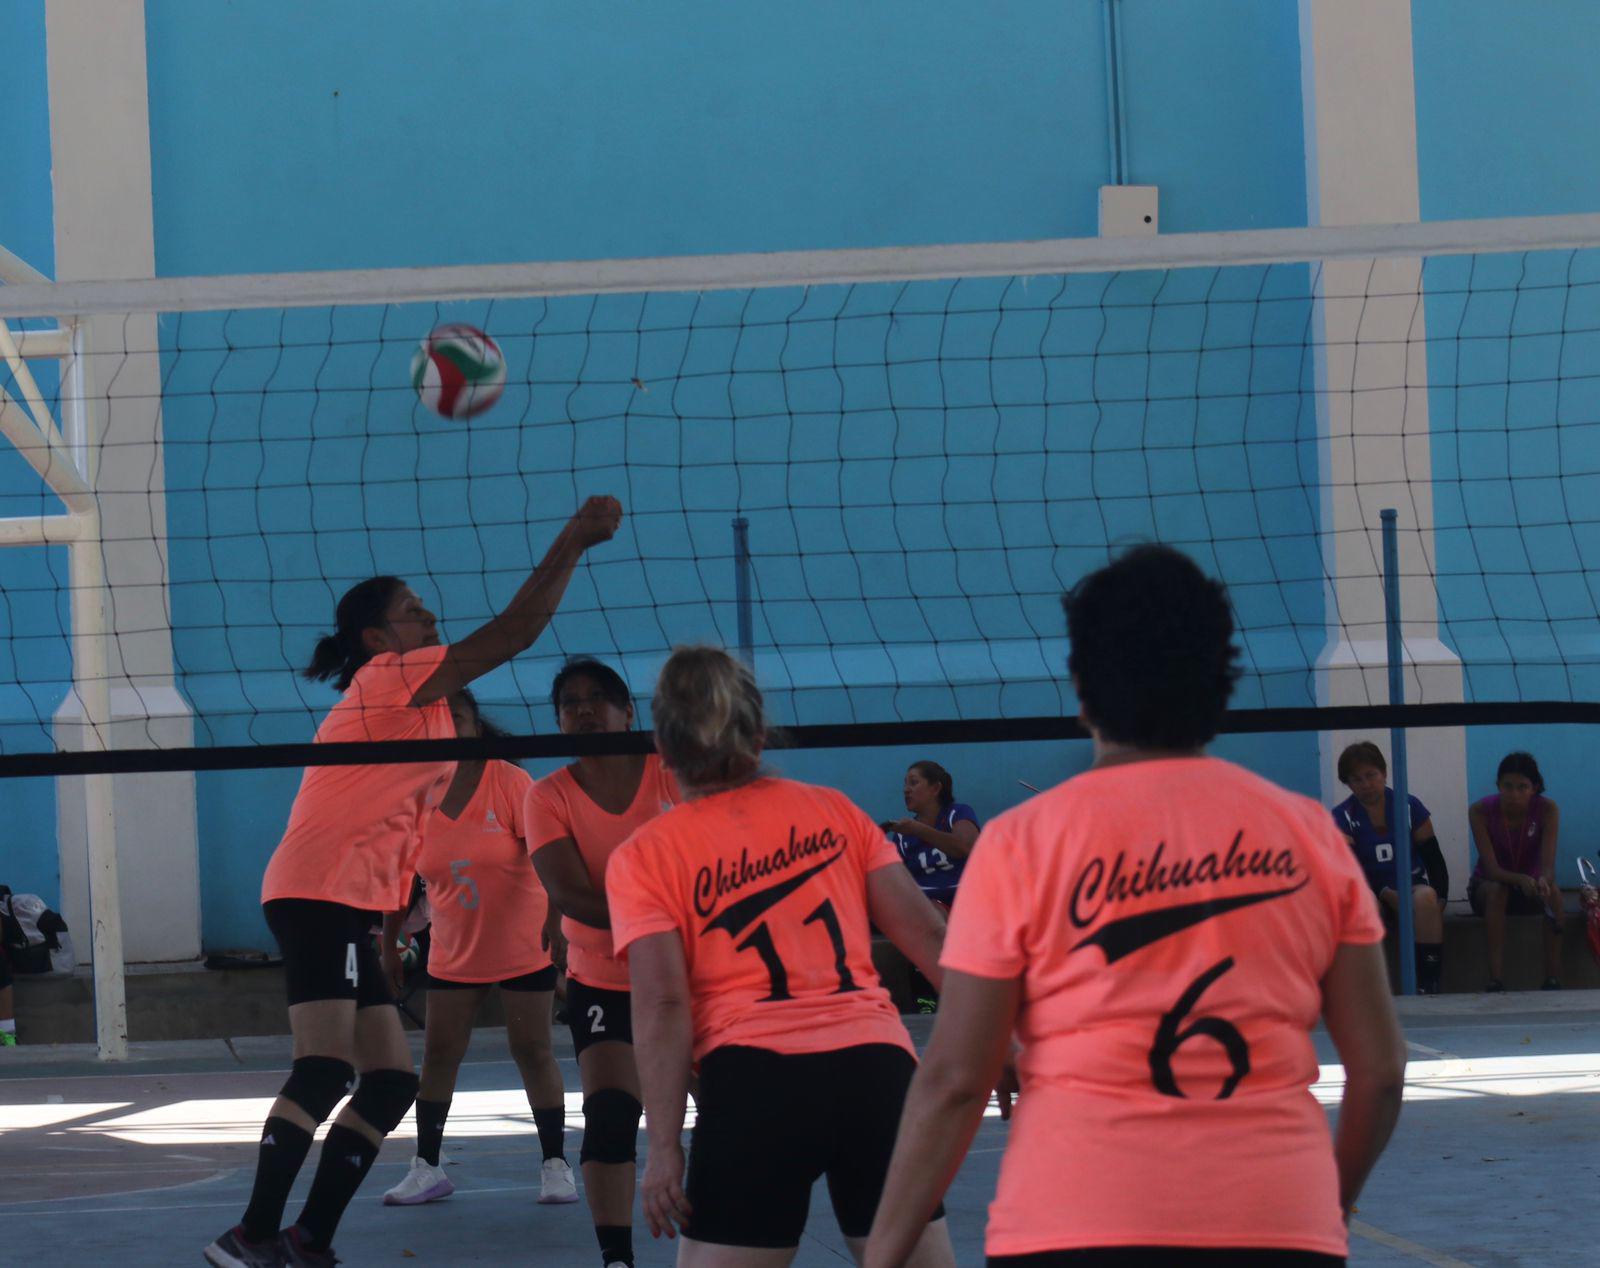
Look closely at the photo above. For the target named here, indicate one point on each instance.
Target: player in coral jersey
(576, 818)
(348, 852)
(492, 926)
(744, 915)
(1161, 934)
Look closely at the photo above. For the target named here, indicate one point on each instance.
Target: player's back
(1172, 921)
(766, 884)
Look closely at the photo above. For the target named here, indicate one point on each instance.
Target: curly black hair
(1152, 649)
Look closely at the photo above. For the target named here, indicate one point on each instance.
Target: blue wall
(1514, 402)
(933, 416)
(33, 664)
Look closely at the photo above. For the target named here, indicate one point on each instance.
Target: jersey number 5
(458, 873)
(760, 941)
(1169, 1037)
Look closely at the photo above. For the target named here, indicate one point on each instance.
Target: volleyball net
(874, 473)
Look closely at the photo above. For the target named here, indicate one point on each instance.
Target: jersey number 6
(1169, 1038)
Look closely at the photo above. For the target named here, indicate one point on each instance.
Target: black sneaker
(927, 1006)
(1551, 984)
(234, 1250)
(296, 1253)
(1495, 986)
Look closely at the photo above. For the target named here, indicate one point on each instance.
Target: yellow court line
(1405, 1247)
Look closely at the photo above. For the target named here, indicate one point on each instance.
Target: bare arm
(907, 919)
(663, 1038)
(943, 1108)
(957, 843)
(525, 617)
(1552, 840)
(1361, 1020)
(565, 878)
(1488, 863)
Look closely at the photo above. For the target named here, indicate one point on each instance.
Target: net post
(741, 591)
(91, 672)
(1397, 747)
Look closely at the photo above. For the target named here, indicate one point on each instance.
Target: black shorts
(769, 1124)
(597, 1015)
(1517, 904)
(328, 952)
(542, 980)
(1163, 1256)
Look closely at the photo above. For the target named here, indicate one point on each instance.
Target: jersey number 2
(760, 941)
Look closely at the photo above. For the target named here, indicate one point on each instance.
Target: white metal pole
(91, 681)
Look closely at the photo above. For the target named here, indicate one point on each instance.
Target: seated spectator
(1516, 832)
(939, 834)
(1366, 818)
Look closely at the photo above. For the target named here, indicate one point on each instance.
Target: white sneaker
(423, 1183)
(556, 1182)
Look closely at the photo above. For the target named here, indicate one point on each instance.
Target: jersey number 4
(760, 941)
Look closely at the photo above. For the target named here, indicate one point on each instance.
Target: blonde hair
(708, 718)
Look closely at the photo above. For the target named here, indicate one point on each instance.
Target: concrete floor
(1495, 1162)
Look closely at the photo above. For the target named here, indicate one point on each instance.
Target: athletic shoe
(556, 1182)
(927, 1006)
(1551, 984)
(234, 1250)
(423, 1183)
(8, 1039)
(1495, 986)
(296, 1254)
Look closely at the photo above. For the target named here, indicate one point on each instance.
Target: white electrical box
(1129, 211)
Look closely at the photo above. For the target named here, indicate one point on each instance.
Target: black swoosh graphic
(1118, 938)
(750, 909)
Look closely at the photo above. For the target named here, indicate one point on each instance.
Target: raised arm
(514, 630)
(566, 879)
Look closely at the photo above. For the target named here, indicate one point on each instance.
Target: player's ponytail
(709, 720)
(339, 655)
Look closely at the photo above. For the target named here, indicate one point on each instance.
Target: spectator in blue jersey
(1366, 818)
(939, 833)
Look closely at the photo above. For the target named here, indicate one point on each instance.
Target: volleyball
(458, 371)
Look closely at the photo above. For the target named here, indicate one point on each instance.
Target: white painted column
(1359, 95)
(104, 228)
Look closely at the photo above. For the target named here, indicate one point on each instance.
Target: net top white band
(1047, 257)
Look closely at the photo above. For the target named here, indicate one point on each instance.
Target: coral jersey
(1171, 923)
(354, 831)
(766, 885)
(488, 906)
(558, 808)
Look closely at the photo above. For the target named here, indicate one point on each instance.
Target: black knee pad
(611, 1127)
(383, 1097)
(317, 1084)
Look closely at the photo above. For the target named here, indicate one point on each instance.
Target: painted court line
(1415, 1249)
(1426, 1051)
